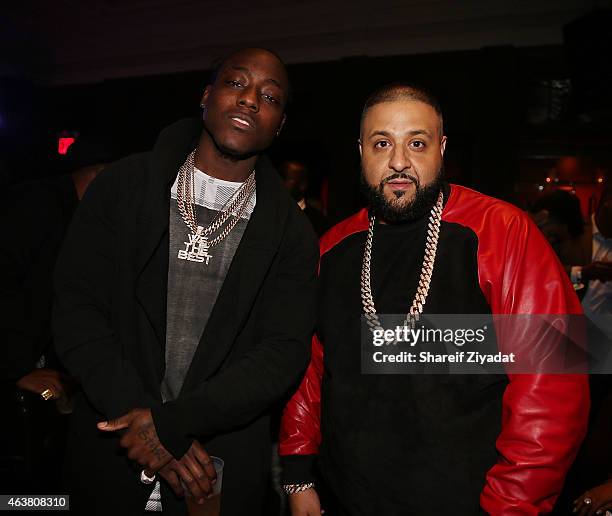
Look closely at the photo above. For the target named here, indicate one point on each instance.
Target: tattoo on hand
(152, 443)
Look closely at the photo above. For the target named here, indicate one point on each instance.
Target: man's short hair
(403, 91)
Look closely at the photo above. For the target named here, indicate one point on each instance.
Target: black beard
(424, 199)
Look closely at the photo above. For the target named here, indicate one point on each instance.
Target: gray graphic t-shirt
(193, 286)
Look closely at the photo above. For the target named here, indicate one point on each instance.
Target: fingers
(40, 380)
(116, 424)
(198, 473)
(56, 386)
(170, 476)
(585, 505)
(595, 501)
(189, 483)
(579, 502)
(604, 508)
(199, 453)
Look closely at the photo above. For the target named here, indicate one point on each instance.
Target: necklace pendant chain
(200, 239)
(420, 297)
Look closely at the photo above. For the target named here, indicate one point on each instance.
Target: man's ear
(442, 145)
(205, 96)
(282, 124)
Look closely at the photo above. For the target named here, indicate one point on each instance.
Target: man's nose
(399, 161)
(249, 99)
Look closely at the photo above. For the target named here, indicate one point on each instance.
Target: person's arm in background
(601, 271)
(22, 243)
(28, 249)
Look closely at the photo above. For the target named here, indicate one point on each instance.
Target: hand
(601, 500)
(140, 439)
(601, 271)
(305, 503)
(195, 471)
(42, 379)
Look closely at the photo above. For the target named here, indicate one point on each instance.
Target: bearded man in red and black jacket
(428, 444)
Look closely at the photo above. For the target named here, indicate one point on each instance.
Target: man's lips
(400, 184)
(242, 120)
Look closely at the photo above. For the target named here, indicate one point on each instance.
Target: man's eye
(270, 98)
(234, 83)
(381, 144)
(418, 144)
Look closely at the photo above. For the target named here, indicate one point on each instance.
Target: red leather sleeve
(300, 432)
(544, 416)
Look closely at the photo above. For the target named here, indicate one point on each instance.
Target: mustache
(400, 175)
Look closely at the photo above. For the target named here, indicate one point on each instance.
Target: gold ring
(47, 394)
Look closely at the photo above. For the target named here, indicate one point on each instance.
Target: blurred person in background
(558, 216)
(35, 387)
(594, 271)
(295, 176)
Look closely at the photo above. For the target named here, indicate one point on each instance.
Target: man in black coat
(184, 305)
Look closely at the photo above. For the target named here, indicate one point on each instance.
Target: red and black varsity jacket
(541, 419)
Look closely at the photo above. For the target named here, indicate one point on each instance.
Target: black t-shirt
(403, 444)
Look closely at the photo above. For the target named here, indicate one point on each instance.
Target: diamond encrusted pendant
(196, 248)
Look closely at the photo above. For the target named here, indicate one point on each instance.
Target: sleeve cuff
(298, 469)
(168, 429)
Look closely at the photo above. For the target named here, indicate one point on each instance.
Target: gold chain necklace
(431, 246)
(199, 245)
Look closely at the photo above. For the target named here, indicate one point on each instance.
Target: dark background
(524, 85)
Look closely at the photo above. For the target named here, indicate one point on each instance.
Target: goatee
(395, 212)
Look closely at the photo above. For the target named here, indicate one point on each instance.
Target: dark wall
(485, 95)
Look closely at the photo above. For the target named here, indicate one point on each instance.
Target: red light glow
(63, 144)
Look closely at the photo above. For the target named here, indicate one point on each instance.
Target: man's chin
(393, 209)
(236, 153)
(234, 148)
(399, 199)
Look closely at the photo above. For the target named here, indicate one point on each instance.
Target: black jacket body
(109, 325)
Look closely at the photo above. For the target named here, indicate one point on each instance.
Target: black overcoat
(109, 329)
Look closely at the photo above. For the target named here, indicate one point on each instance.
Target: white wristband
(145, 479)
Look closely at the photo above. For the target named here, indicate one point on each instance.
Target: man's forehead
(257, 60)
(402, 112)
